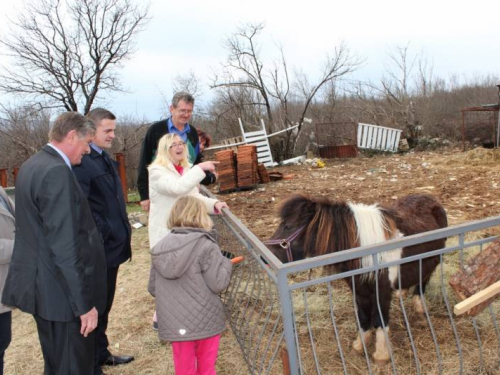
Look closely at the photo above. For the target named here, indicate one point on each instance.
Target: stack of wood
(263, 176)
(478, 283)
(247, 166)
(226, 169)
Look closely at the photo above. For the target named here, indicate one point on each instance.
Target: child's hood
(173, 255)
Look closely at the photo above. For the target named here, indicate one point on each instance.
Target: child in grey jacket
(187, 273)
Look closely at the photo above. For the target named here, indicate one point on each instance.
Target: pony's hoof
(401, 293)
(419, 321)
(381, 362)
(355, 351)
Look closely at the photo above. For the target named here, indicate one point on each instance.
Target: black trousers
(65, 350)
(5, 335)
(101, 348)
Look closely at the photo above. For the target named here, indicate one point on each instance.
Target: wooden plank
(365, 137)
(374, 137)
(379, 139)
(360, 133)
(258, 133)
(369, 143)
(259, 143)
(396, 141)
(391, 139)
(384, 138)
(477, 299)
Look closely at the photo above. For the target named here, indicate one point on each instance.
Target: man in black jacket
(99, 180)
(58, 268)
(181, 111)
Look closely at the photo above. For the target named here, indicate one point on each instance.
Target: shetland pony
(312, 226)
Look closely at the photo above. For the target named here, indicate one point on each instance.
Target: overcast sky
(457, 37)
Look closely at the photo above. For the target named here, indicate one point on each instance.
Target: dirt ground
(468, 185)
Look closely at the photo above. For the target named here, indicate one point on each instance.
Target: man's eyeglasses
(174, 145)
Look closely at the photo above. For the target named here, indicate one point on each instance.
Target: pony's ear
(296, 205)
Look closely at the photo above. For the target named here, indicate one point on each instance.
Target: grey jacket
(7, 229)
(188, 271)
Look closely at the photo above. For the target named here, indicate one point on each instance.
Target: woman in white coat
(170, 177)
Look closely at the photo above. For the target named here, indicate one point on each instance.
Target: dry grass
(476, 157)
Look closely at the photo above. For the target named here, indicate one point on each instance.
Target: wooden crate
(226, 170)
(247, 166)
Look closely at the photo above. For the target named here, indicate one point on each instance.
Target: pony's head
(312, 226)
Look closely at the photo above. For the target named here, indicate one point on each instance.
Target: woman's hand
(208, 166)
(219, 206)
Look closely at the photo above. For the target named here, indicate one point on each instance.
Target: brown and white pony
(312, 226)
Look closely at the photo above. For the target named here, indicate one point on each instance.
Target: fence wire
(313, 312)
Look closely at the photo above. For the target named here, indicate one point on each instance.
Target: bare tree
(244, 67)
(282, 99)
(64, 53)
(23, 131)
(402, 98)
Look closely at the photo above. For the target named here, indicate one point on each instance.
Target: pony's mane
(371, 224)
(334, 220)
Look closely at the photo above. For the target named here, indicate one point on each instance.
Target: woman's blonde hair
(189, 211)
(163, 156)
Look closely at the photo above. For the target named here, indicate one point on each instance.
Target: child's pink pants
(196, 357)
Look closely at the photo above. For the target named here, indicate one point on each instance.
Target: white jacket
(165, 186)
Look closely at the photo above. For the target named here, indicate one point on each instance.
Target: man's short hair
(99, 114)
(184, 96)
(69, 121)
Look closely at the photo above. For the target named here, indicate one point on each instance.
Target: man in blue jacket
(99, 180)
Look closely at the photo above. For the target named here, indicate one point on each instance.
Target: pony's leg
(381, 355)
(401, 293)
(363, 337)
(418, 305)
(363, 305)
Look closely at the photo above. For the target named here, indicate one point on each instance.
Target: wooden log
(481, 272)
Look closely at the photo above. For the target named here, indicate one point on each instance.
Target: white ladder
(260, 139)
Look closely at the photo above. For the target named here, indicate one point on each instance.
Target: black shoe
(114, 360)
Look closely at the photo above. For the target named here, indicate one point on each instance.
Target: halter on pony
(286, 243)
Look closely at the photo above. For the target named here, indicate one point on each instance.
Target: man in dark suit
(58, 267)
(99, 180)
(7, 233)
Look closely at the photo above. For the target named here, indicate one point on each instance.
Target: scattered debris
(138, 219)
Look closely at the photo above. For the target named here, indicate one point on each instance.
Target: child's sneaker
(155, 326)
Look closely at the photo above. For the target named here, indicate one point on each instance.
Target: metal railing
(312, 312)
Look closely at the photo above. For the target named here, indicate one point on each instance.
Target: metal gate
(302, 307)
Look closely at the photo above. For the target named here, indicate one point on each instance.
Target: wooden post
(3, 177)
(285, 361)
(15, 172)
(120, 158)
